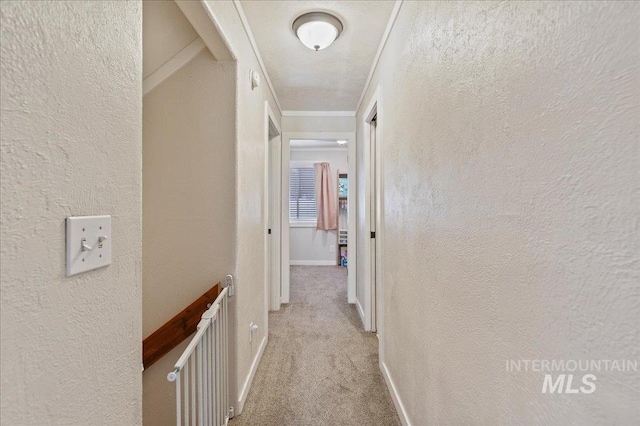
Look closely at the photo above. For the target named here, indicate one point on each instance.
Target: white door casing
(351, 202)
(372, 305)
(273, 244)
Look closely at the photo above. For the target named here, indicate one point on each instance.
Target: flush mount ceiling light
(317, 30)
(341, 142)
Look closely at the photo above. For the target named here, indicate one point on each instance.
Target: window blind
(302, 194)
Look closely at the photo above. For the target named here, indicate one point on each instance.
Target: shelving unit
(342, 235)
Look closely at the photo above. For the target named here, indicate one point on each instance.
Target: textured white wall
(308, 246)
(512, 197)
(71, 145)
(250, 170)
(307, 243)
(318, 124)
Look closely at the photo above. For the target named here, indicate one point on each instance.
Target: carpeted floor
(319, 367)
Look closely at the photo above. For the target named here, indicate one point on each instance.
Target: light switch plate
(90, 231)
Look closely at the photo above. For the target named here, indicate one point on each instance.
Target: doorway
(273, 240)
(318, 203)
(369, 298)
(373, 197)
(304, 143)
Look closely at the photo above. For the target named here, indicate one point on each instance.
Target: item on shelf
(343, 215)
(343, 186)
(343, 256)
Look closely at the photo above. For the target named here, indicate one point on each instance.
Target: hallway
(319, 367)
(180, 178)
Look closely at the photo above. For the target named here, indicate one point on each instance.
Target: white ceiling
(328, 80)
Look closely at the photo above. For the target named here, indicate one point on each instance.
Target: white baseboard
(360, 311)
(313, 262)
(249, 381)
(402, 412)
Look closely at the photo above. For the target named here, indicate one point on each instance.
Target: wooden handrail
(177, 328)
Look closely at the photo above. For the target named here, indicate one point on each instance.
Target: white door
(367, 220)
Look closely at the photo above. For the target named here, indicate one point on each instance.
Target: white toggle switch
(85, 247)
(88, 243)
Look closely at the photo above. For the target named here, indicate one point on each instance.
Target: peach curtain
(325, 198)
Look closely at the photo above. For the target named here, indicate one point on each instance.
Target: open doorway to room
(318, 181)
(317, 209)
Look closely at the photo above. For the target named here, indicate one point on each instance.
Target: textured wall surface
(71, 145)
(511, 175)
(318, 124)
(188, 203)
(250, 168)
(307, 243)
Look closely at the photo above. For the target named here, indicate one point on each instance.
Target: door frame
(272, 274)
(351, 203)
(373, 289)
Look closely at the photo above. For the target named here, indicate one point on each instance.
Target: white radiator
(201, 373)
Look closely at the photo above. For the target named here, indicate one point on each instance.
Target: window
(302, 194)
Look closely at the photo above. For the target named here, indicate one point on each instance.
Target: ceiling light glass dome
(317, 30)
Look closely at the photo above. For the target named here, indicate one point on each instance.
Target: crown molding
(383, 42)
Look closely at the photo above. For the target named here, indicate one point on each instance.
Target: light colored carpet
(319, 367)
